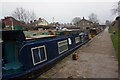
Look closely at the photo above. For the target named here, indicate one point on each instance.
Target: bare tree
(117, 9)
(32, 16)
(75, 20)
(93, 17)
(23, 15)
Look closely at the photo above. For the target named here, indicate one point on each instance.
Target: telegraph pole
(53, 21)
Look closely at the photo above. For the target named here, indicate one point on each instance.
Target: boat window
(77, 39)
(62, 46)
(38, 54)
(69, 40)
(42, 54)
(1, 40)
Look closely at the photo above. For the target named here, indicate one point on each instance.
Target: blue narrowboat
(25, 58)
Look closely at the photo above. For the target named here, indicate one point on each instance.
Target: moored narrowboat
(29, 57)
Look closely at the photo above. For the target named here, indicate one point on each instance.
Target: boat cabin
(11, 44)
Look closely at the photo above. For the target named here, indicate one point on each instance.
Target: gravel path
(96, 60)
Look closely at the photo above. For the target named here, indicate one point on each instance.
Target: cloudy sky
(63, 11)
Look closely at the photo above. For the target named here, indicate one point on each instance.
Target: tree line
(22, 14)
(92, 17)
(26, 16)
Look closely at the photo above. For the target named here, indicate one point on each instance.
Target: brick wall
(9, 21)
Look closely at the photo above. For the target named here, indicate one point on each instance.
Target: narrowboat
(93, 32)
(30, 57)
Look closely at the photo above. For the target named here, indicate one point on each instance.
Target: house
(70, 26)
(10, 21)
(38, 23)
(84, 24)
(102, 27)
(55, 24)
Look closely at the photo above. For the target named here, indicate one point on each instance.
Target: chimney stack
(83, 18)
(39, 18)
(34, 20)
(31, 21)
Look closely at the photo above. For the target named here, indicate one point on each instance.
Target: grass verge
(116, 41)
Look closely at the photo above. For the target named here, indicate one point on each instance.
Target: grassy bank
(116, 41)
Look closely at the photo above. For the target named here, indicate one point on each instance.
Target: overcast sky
(63, 11)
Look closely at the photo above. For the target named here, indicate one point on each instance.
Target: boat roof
(40, 36)
(12, 35)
